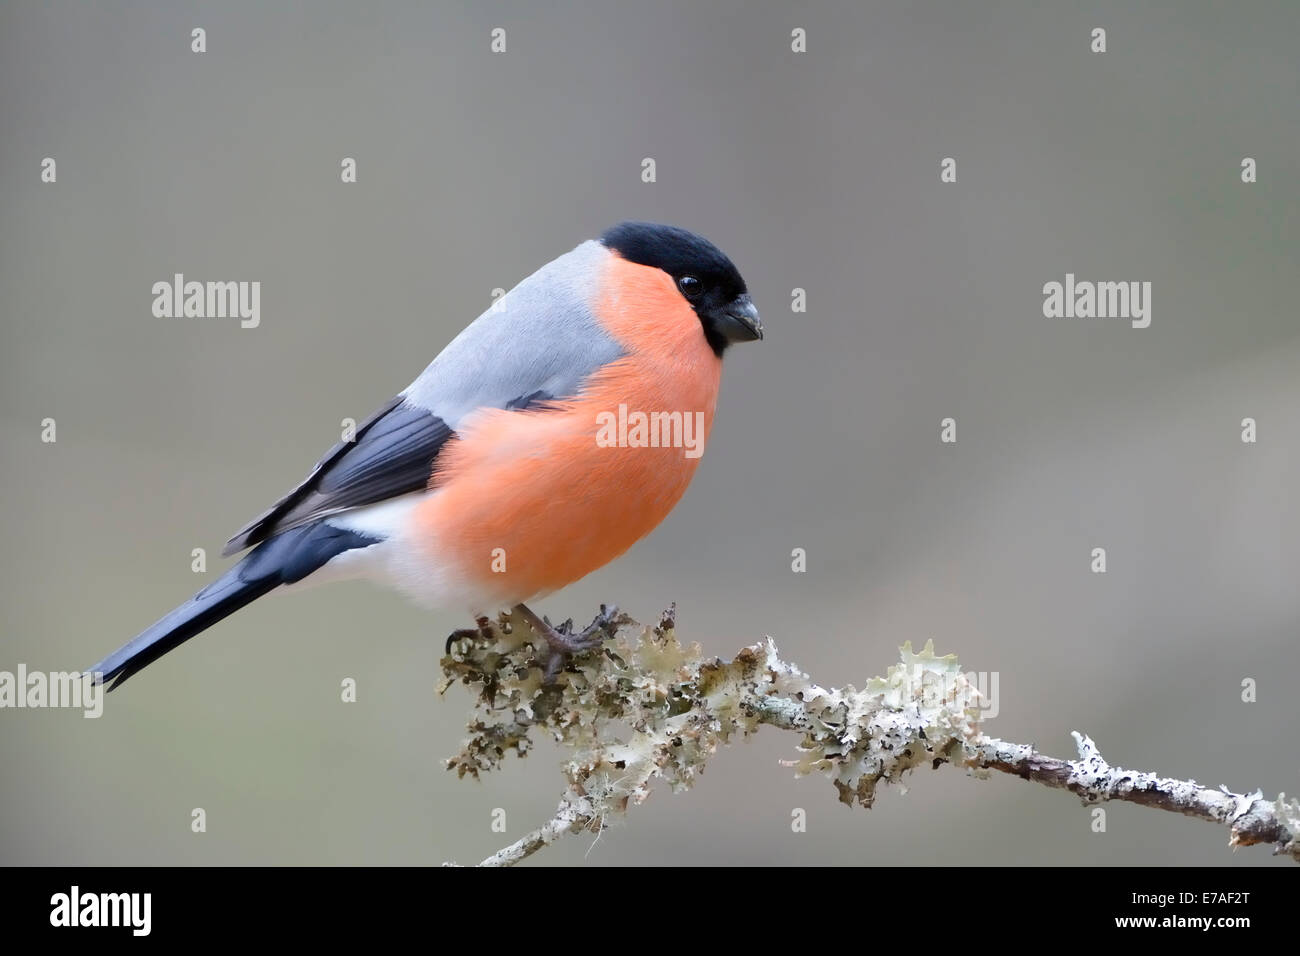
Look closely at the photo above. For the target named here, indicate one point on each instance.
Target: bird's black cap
(721, 298)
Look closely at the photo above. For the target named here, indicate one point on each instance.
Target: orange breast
(530, 501)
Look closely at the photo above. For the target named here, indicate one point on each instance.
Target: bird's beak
(740, 322)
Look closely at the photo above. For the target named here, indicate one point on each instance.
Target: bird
(523, 458)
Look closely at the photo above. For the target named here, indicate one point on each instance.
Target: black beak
(739, 321)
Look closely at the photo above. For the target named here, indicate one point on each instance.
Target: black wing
(393, 454)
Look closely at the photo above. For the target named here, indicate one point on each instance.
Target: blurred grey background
(817, 170)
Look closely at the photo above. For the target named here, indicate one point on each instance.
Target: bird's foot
(484, 630)
(563, 644)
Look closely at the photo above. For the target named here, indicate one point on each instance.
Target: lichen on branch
(644, 707)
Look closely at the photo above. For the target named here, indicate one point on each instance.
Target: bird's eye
(690, 286)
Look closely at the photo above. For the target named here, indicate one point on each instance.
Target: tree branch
(681, 706)
(1250, 818)
(575, 813)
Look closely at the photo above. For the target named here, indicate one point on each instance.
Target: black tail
(284, 559)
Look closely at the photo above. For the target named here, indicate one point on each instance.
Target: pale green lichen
(922, 712)
(644, 707)
(1288, 814)
(680, 706)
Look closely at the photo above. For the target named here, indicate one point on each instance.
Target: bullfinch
(560, 427)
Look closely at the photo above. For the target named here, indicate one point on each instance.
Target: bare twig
(681, 706)
(1250, 818)
(575, 813)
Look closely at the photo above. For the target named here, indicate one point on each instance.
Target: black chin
(737, 321)
(717, 341)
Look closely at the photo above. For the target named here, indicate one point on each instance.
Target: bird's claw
(563, 644)
(483, 629)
